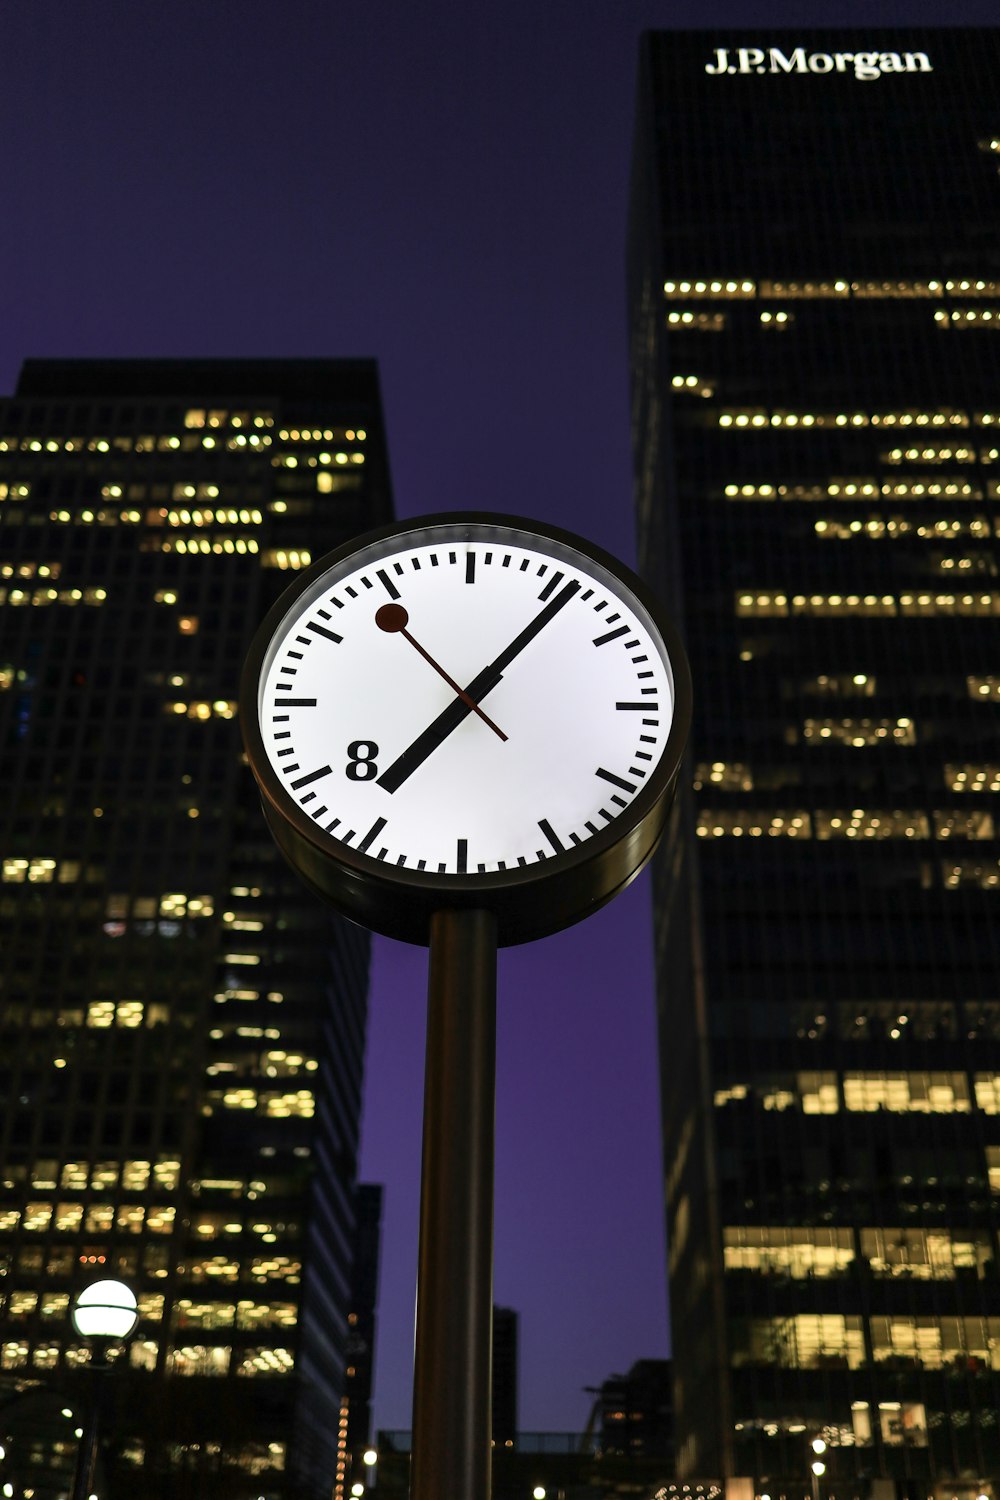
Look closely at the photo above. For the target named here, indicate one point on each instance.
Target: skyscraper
(815, 302)
(181, 1025)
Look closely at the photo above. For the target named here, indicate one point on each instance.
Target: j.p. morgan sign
(863, 65)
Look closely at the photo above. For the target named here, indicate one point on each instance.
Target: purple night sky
(442, 187)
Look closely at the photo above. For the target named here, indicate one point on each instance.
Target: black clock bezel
(529, 902)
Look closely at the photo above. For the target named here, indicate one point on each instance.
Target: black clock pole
(453, 1358)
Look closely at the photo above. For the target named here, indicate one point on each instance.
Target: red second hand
(394, 619)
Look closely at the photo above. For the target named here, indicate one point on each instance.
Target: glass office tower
(181, 1024)
(815, 304)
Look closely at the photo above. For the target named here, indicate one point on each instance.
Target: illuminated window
(987, 1087)
(805, 1342)
(251, 1315)
(211, 1268)
(724, 290)
(815, 1093)
(859, 732)
(280, 1268)
(925, 1254)
(937, 1343)
(798, 1253)
(762, 604)
(284, 559)
(921, 1093)
(842, 685)
(733, 776)
(130, 1220)
(142, 1354)
(862, 824)
(189, 1314)
(34, 871)
(21, 1305)
(280, 1106)
(963, 825)
(693, 385)
(949, 453)
(753, 824)
(266, 1361)
(198, 1359)
(200, 708)
(68, 1217)
(127, 1013)
(701, 322)
(982, 875)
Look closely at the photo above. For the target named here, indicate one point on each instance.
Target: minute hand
(449, 719)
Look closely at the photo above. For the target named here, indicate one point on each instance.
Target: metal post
(86, 1458)
(453, 1357)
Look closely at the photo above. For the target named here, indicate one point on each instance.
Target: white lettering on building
(864, 65)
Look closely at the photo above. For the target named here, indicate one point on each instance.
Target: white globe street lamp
(105, 1310)
(104, 1313)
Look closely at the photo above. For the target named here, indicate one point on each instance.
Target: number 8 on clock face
(461, 708)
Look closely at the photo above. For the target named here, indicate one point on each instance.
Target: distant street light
(104, 1313)
(818, 1466)
(369, 1457)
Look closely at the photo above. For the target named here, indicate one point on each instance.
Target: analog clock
(466, 710)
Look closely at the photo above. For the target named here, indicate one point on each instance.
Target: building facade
(356, 1402)
(815, 307)
(181, 1025)
(634, 1412)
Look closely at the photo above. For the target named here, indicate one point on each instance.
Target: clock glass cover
(463, 697)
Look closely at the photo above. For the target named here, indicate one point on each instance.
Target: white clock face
(465, 698)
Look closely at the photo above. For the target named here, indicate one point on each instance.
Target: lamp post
(104, 1313)
(818, 1466)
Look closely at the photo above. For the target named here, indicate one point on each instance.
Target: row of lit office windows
(826, 1092)
(758, 416)
(804, 1254)
(191, 1359)
(134, 1176)
(813, 1341)
(147, 442)
(273, 1063)
(251, 1458)
(17, 597)
(860, 1021)
(856, 824)
(901, 1424)
(968, 776)
(737, 776)
(22, 1306)
(152, 1261)
(780, 319)
(43, 1216)
(739, 289)
(770, 604)
(276, 1105)
(893, 527)
(863, 487)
